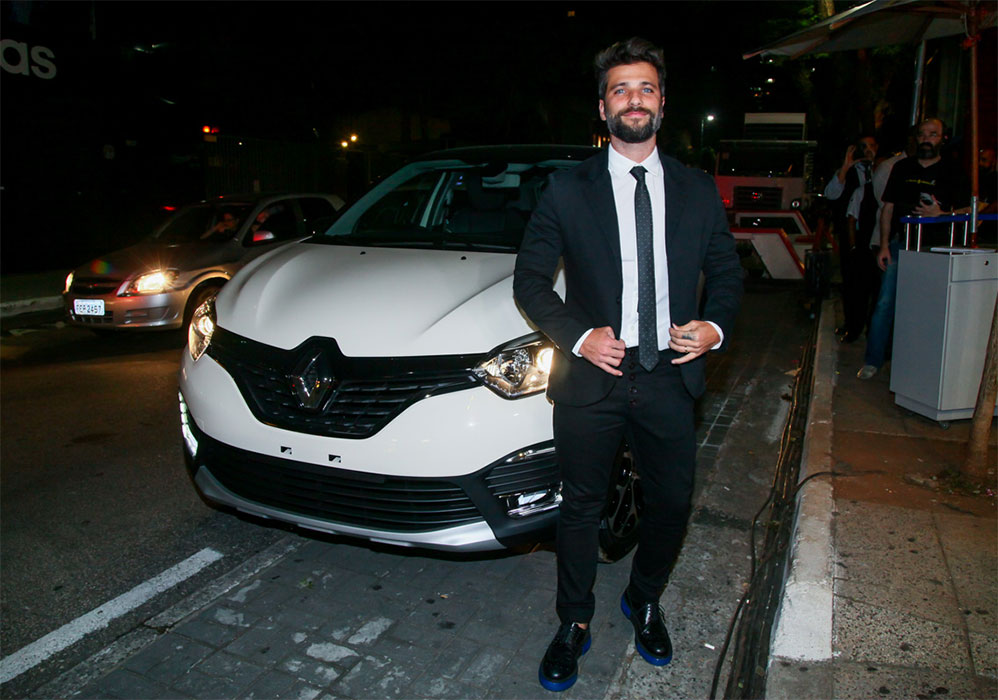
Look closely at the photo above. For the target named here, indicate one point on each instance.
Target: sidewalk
(892, 591)
(29, 292)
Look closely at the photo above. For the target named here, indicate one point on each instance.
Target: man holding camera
(852, 190)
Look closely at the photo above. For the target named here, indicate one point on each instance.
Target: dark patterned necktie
(647, 324)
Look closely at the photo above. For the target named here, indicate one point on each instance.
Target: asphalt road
(95, 499)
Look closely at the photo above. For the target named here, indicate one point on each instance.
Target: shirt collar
(621, 165)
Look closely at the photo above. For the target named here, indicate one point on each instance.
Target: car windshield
(204, 222)
(447, 204)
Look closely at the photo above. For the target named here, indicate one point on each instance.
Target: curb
(23, 306)
(803, 631)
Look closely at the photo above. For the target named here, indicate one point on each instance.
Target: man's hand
(847, 163)
(883, 257)
(602, 349)
(693, 339)
(933, 209)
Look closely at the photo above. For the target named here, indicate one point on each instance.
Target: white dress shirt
(624, 185)
(834, 188)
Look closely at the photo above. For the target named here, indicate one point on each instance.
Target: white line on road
(72, 632)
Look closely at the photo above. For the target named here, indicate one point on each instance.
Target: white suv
(379, 381)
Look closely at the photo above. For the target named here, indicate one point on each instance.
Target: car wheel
(618, 528)
(200, 296)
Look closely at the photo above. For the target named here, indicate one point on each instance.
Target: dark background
(90, 157)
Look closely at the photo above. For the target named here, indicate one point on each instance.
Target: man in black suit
(634, 229)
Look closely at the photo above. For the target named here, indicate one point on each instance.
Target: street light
(703, 120)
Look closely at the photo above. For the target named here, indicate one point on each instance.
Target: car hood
(376, 302)
(151, 254)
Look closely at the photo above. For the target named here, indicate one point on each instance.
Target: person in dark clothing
(856, 216)
(923, 185)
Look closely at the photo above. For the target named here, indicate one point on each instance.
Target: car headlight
(200, 331)
(153, 282)
(520, 368)
(69, 283)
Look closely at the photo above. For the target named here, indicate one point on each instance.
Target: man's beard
(927, 151)
(630, 134)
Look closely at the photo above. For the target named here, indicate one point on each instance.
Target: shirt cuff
(575, 350)
(719, 332)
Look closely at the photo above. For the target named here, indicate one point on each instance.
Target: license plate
(88, 307)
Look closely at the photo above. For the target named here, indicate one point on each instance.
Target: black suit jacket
(576, 221)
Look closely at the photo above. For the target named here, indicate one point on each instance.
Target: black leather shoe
(650, 635)
(559, 667)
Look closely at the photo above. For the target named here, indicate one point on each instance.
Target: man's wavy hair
(634, 50)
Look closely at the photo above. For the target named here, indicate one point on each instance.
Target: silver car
(158, 282)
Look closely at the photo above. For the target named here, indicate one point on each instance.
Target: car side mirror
(262, 236)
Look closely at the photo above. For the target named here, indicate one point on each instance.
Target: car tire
(198, 297)
(618, 528)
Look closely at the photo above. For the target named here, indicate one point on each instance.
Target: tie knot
(638, 171)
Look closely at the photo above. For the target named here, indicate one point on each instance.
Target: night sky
(141, 79)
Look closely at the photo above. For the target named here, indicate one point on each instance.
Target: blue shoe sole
(559, 686)
(645, 654)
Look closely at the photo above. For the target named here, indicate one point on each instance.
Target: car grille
(339, 496)
(524, 472)
(758, 198)
(97, 286)
(108, 317)
(368, 393)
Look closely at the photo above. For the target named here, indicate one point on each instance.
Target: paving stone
(204, 687)
(265, 646)
(867, 633)
(430, 686)
(450, 662)
(318, 673)
(332, 653)
(984, 651)
(168, 658)
(297, 619)
(494, 628)
(272, 685)
(488, 664)
(362, 679)
(126, 685)
(863, 681)
(209, 632)
(224, 665)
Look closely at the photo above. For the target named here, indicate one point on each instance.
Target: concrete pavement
(892, 585)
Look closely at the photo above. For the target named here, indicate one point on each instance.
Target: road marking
(72, 632)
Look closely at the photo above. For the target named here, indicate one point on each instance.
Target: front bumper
(163, 311)
(464, 513)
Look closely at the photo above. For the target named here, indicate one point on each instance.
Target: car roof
(524, 153)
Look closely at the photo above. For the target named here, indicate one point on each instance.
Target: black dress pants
(654, 412)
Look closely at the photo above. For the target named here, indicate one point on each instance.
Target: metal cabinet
(945, 300)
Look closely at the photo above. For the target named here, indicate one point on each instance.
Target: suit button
(631, 376)
(634, 390)
(618, 301)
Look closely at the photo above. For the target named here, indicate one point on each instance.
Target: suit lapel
(600, 199)
(675, 202)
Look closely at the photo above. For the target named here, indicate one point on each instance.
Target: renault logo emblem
(312, 382)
